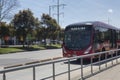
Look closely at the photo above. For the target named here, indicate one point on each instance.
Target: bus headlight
(88, 50)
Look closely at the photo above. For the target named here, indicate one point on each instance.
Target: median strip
(11, 66)
(32, 62)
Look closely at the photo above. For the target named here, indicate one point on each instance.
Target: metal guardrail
(114, 56)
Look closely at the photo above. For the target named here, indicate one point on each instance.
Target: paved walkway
(109, 74)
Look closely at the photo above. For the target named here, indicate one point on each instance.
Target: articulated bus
(90, 37)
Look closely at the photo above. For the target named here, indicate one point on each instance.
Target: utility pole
(57, 6)
(58, 13)
(58, 10)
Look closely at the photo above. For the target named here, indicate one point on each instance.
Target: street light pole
(50, 10)
(109, 11)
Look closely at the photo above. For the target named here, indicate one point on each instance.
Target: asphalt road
(26, 57)
(41, 72)
(45, 71)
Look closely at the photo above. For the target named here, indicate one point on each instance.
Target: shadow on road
(78, 62)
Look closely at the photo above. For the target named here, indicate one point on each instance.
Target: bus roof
(95, 23)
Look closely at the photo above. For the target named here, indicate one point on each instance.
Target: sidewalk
(109, 74)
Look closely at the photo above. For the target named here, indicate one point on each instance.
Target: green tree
(24, 23)
(4, 32)
(62, 33)
(6, 6)
(12, 30)
(37, 31)
(51, 27)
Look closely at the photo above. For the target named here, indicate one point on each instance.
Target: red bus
(89, 37)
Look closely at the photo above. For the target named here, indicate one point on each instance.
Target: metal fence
(102, 58)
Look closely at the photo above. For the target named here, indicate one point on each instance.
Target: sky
(76, 10)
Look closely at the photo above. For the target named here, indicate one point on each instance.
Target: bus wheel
(85, 60)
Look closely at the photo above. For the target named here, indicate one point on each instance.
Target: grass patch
(30, 48)
(40, 47)
(52, 46)
(9, 50)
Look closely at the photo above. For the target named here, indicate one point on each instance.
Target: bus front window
(78, 38)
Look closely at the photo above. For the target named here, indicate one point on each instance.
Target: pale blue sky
(77, 10)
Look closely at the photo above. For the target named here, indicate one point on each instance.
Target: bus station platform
(112, 73)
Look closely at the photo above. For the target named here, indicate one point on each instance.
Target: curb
(32, 62)
(11, 66)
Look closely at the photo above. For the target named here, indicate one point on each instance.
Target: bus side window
(96, 36)
(113, 39)
(99, 35)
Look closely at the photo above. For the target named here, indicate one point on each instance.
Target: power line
(57, 6)
(58, 13)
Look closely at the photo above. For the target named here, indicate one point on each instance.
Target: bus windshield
(77, 38)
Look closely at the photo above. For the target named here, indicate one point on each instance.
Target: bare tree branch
(6, 6)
